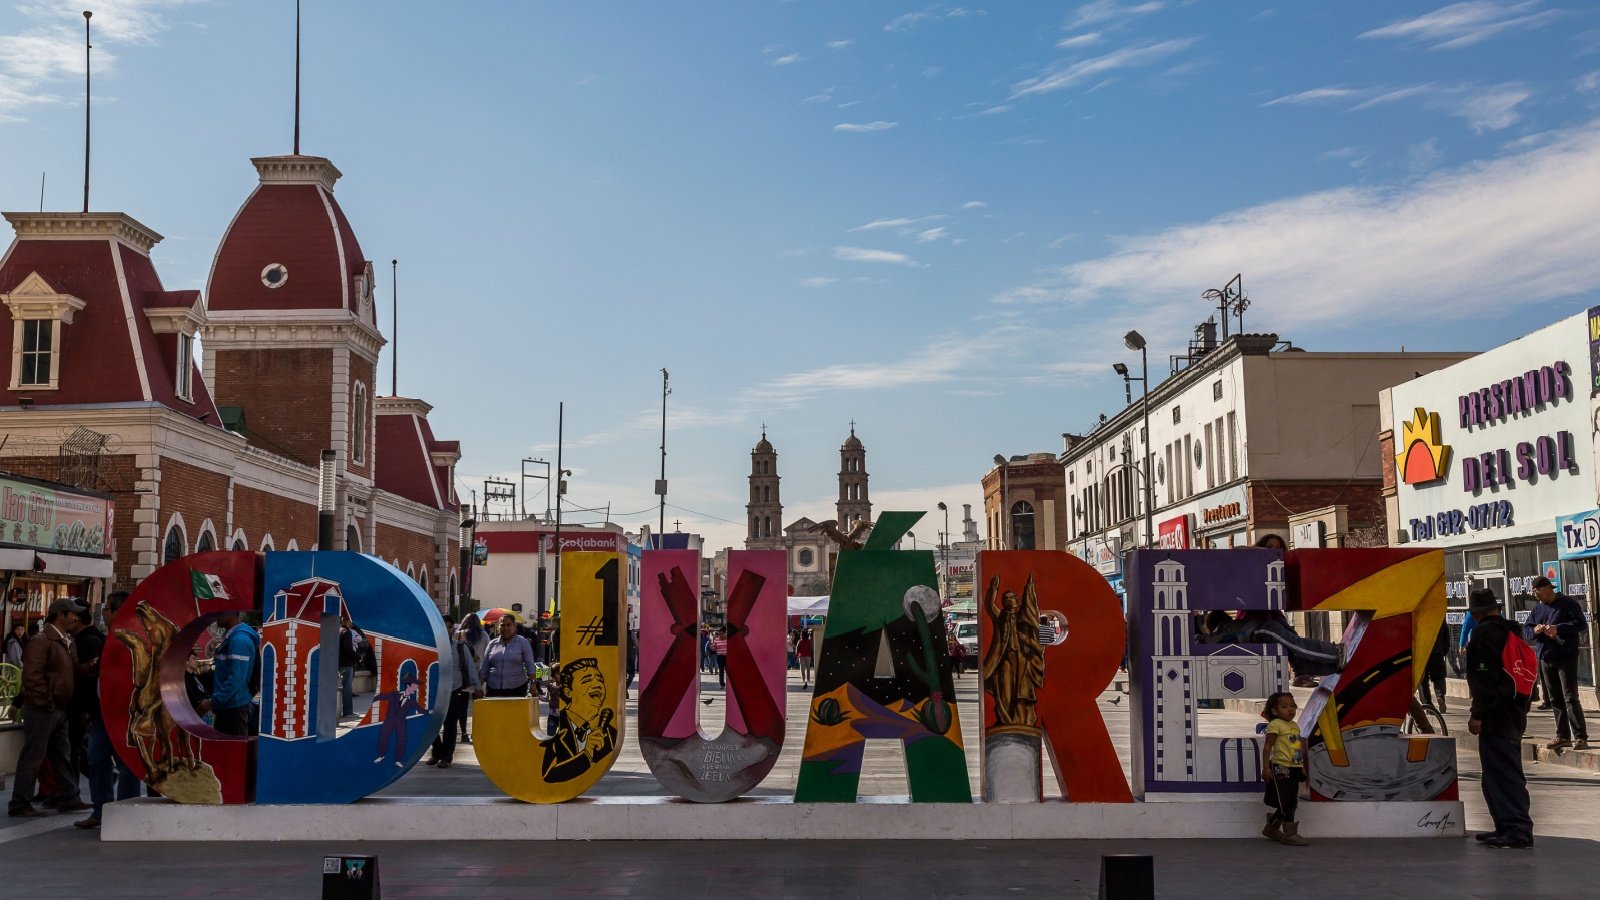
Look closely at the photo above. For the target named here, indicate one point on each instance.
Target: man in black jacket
(1555, 627)
(1499, 717)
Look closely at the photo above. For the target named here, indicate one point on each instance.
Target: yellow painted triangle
(1413, 587)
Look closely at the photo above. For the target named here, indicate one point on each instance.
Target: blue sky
(936, 220)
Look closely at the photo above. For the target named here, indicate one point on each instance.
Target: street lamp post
(1005, 504)
(1133, 340)
(944, 551)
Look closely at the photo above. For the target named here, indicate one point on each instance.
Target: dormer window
(38, 313)
(185, 385)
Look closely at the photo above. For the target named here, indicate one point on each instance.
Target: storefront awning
(80, 566)
(808, 606)
(14, 559)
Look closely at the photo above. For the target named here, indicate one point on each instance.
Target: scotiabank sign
(1174, 533)
(536, 541)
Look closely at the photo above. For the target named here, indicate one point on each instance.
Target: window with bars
(185, 379)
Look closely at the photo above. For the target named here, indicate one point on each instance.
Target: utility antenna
(41, 191)
(87, 83)
(296, 77)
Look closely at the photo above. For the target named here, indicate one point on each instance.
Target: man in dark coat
(1499, 716)
(1555, 627)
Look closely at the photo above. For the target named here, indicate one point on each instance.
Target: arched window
(352, 538)
(266, 544)
(755, 526)
(806, 557)
(422, 579)
(767, 527)
(207, 542)
(291, 546)
(358, 424)
(766, 495)
(1022, 525)
(238, 542)
(176, 544)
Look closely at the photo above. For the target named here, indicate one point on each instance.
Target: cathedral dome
(290, 246)
(764, 445)
(852, 442)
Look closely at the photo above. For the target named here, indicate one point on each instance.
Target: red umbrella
(493, 615)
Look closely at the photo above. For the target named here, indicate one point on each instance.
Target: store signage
(1223, 512)
(572, 543)
(1543, 457)
(1308, 534)
(1174, 533)
(1478, 517)
(1578, 535)
(1423, 456)
(37, 515)
(1105, 555)
(1531, 391)
(1594, 347)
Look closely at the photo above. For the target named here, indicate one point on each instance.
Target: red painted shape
(152, 727)
(289, 224)
(1316, 575)
(1076, 671)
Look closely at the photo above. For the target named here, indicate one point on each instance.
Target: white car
(967, 637)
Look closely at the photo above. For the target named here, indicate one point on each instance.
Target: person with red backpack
(1500, 673)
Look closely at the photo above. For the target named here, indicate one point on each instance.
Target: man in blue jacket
(1555, 627)
(235, 678)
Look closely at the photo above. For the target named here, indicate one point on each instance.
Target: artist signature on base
(1442, 823)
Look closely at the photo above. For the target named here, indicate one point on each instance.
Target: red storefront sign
(1174, 533)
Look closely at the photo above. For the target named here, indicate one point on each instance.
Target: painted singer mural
(1200, 624)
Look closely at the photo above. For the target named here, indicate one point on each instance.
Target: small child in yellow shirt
(1283, 767)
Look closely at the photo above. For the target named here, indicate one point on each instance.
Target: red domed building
(103, 389)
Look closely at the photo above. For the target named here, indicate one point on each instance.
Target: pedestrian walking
(1499, 716)
(236, 678)
(1433, 678)
(1556, 627)
(48, 672)
(109, 777)
(719, 651)
(1283, 767)
(15, 641)
(348, 657)
(802, 652)
(508, 664)
(468, 685)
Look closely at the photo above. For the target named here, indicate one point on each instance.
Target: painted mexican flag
(208, 587)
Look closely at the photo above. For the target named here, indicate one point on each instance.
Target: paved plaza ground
(49, 858)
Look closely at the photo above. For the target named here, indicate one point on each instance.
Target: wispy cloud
(1080, 40)
(1319, 95)
(48, 48)
(858, 127)
(1094, 68)
(1465, 24)
(863, 254)
(1110, 11)
(817, 281)
(840, 45)
(935, 13)
(1354, 157)
(932, 234)
(974, 204)
(1485, 107)
(876, 224)
(1514, 231)
(788, 60)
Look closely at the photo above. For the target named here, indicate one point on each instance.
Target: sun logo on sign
(1423, 456)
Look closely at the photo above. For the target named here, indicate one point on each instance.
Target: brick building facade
(221, 453)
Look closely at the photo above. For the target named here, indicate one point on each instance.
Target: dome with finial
(852, 442)
(764, 445)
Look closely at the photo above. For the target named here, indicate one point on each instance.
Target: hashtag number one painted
(607, 576)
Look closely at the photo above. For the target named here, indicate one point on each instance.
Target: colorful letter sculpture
(588, 711)
(153, 728)
(1035, 692)
(1171, 670)
(300, 757)
(683, 758)
(1356, 749)
(884, 673)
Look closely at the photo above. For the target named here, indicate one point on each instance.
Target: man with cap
(1555, 627)
(1499, 716)
(48, 670)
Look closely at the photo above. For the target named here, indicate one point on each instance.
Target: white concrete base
(644, 818)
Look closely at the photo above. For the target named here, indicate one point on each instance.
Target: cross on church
(676, 523)
(852, 426)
